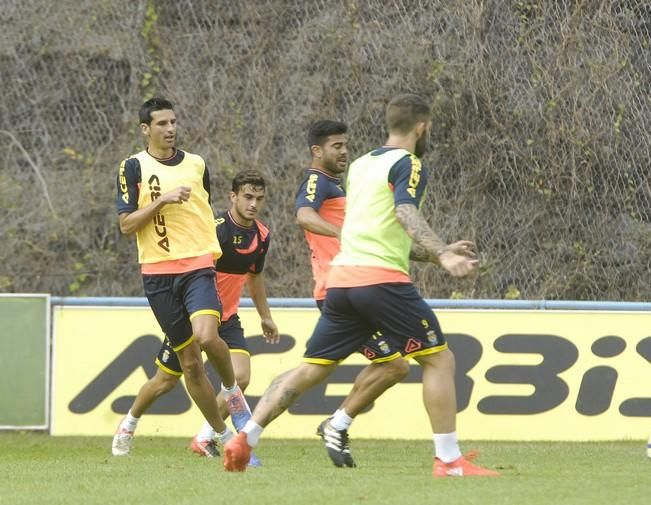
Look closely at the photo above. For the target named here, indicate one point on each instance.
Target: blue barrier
(305, 303)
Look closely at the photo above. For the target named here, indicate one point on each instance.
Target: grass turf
(38, 469)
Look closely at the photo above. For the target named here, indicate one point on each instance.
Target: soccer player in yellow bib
(163, 197)
(369, 290)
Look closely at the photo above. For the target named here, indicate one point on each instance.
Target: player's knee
(204, 328)
(310, 373)
(242, 380)
(448, 359)
(192, 367)
(164, 383)
(203, 338)
(397, 369)
(211, 342)
(442, 361)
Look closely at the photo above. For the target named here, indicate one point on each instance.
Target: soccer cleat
(237, 453)
(254, 461)
(238, 409)
(461, 467)
(207, 448)
(122, 441)
(337, 444)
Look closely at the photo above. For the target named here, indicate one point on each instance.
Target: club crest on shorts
(431, 337)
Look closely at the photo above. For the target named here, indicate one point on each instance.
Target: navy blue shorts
(230, 331)
(393, 311)
(177, 298)
(376, 349)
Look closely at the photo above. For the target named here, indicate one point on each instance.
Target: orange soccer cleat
(237, 453)
(461, 467)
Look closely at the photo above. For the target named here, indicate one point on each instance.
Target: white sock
(129, 422)
(206, 433)
(225, 436)
(341, 420)
(446, 446)
(253, 431)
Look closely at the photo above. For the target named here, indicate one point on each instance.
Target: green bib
(371, 234)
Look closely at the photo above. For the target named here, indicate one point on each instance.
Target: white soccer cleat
(122, 441)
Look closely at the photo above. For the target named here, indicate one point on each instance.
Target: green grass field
(38, 469)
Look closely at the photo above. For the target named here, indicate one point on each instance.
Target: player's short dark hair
(252, 177)
(320, 130)
(404, 111)
(152, 105)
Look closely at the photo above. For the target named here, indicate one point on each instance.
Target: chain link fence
(540, 150)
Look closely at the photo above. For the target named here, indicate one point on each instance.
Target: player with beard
(369, 290)
(320, 205)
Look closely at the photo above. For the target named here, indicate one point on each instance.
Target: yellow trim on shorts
(241, 351)
(207, 312)
(184, 344)
(321, 361)
(429, 350)
(168, 370)
(386, 359)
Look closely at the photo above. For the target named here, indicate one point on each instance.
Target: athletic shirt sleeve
(408, 178)
(128, 186)
(312, 192)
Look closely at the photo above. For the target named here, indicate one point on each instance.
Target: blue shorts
(176, 298)
(376, 349)
(393, 311)
(230, 331)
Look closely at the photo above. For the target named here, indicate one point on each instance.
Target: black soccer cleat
(337, 444)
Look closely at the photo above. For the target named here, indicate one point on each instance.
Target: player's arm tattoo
(277, 399)
(427, 245)
(420, 253)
